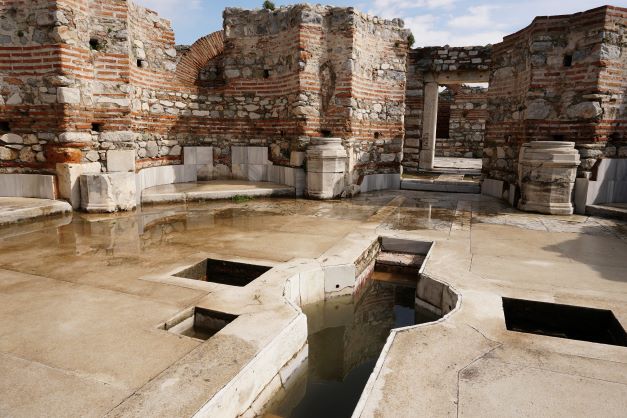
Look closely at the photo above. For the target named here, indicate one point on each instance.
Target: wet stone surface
(79, 286)
(346, 335)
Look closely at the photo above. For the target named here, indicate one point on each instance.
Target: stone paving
(80, 337)
(20, 209)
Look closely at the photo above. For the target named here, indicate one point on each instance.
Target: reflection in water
(346, 336)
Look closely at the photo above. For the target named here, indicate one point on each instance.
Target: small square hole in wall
(96, 127)
(223, 272)
(141, 63)
(564, 321)
(266, 73)
(326, 133)
(95, 44)
(5, 126)
(568, 60)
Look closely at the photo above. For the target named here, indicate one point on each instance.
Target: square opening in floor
(202, 324)
(564, 321)
(223, 272)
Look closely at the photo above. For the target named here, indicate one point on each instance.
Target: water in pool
(346, 336)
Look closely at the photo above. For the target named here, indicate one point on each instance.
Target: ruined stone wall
(467, 115)
(613, 94)
(79, 57)
(377, 96)
(444, 65)
(30, 69)
(311, 71)
(558, 79)
(85, 77)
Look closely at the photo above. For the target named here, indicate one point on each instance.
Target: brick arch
(198, 56)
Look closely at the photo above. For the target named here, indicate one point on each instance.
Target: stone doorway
(454, 122)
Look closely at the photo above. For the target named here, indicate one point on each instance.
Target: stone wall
(29, 78)
(561, 78)
(467, 110)
(79, 78)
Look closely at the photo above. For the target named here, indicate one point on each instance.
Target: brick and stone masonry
(80, 78)
(462, 115)
(561, 78)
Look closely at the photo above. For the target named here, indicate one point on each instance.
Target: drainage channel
(346, 336)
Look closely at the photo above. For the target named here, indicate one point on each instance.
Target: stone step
(436, 185)
(214, 190)
(400, 259)
(610, 210)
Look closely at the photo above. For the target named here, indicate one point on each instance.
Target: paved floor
(20, 209)
(79, 332)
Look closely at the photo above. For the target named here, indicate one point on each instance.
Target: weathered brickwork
(115, 80)
(81, 77)
(561, 78)
(464, 110)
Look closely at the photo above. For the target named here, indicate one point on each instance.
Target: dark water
(346, 337)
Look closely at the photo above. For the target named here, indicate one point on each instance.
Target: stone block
(493, 188)
(249, 155)
(339, 279)
(120, 161)
(68, 95)
(198, 155)
(325, 185)
(28, 185)
(11, 139)
(373, 182)
(257, 155)
(204, 155)
(297, 158)
(75, 137)
(118, 136)
(240, 171)
(68, 176)
(546, 173)
(257, 172)
(110, 192)
(585, 110)
(205, 172)
(239, 155)
(326, 165)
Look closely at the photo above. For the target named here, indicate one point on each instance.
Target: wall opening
(95, 44)
(564, 321)
(462, 115)
(96, 127)
(568, 60)
(5, 127)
